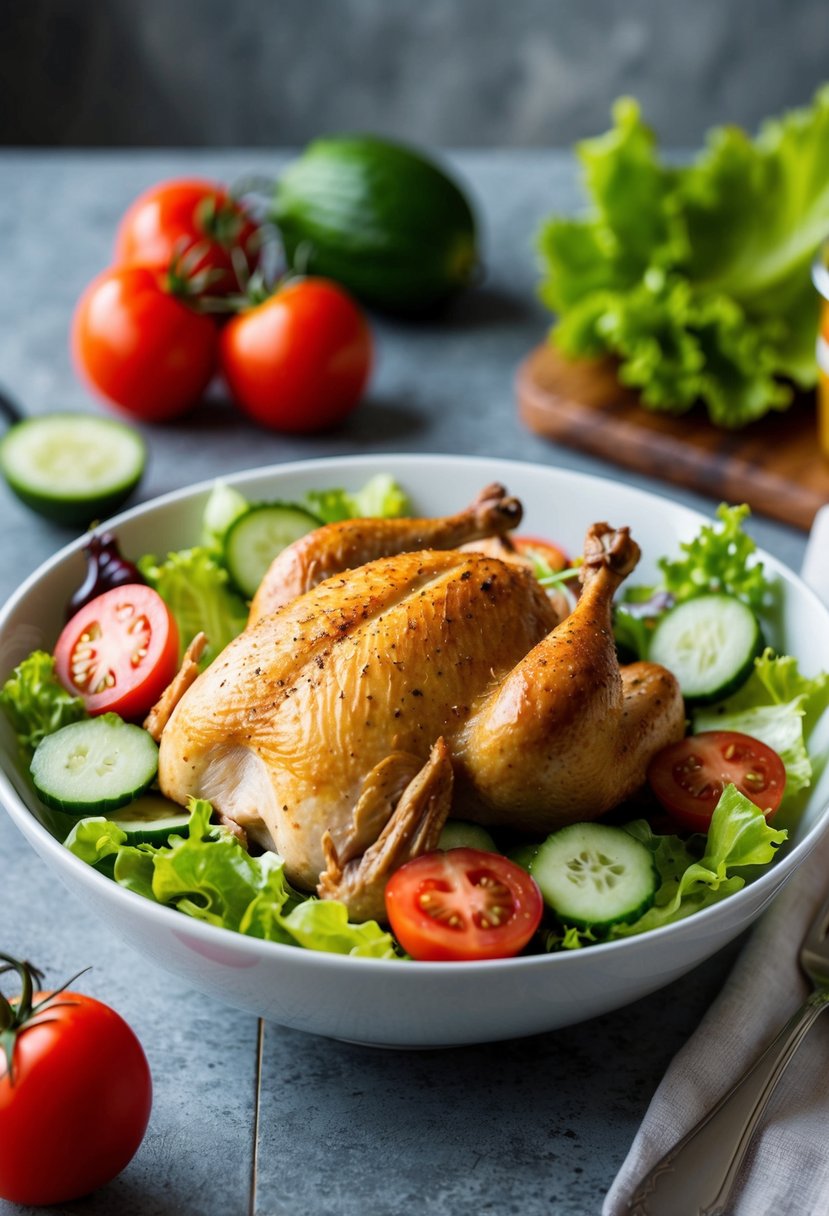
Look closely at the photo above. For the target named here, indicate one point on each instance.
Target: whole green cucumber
(381, 219)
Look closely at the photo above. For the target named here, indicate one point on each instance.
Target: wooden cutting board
(774, 465)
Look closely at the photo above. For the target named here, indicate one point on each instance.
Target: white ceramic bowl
(394, 1003)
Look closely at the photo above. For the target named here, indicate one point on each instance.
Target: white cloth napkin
(786, 1170)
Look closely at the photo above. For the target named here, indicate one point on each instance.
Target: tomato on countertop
(462, 904)
(300, 360)
(688, 777)
(119, 651)
(142, 347)
(193, 222)
(75, 1093)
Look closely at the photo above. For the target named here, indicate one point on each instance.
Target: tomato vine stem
(17, 1014)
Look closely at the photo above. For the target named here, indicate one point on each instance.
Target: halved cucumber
(94, 766)
(254, 539)
(593, 875)
(151, 819)
(224, 505)
(72, 468)
(710, 644)
(457, 834)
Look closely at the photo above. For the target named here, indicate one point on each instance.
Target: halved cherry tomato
(552, 554)
(140, 346)
(300, 360)
(194, 222)
(462, 904)
(119, 652)
(688, 777)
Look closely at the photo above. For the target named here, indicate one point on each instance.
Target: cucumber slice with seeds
(594, 876)
(94, 766)
(72, 468)
(256, 537)
(710, 644)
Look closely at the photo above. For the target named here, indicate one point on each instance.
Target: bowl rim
(764, 887)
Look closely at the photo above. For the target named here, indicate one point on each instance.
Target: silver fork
(700, 1171)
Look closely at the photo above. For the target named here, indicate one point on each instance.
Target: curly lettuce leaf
(199, 593)
(381, 498)
(633, 219)
(208, 875)
(718, 559)
(696, 278)
(678, 345)
(756, 213)
(36, 703)
(738, 836)
(779, 706)
(777, 680)
(693, 873)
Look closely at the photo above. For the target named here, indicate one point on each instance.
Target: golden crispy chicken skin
(568, 734)
(338, 547)
(340, 728)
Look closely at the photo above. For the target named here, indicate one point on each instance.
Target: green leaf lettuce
(381, 497)
(779, 706)
(36, 703)
(691, 877)
(208, 875)
(696, 277)
(738, 836)
(198, 592)
(720, 559)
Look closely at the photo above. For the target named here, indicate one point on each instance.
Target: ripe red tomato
(140, 346)
(76, 1103)
(688, 777)
(552, 554)
(299, 361)
(194, 220)
(462, 904)
(119, 652)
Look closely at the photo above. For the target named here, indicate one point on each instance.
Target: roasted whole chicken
(387, 675)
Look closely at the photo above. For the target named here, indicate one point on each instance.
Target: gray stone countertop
(534, 1126)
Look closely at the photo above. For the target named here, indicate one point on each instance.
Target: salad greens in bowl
(686, 862)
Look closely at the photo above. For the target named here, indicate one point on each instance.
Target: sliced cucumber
(253, 540)
(94, 766)
(224, 505)
(151, 819)
(457, 834)
(72, 468)
(593, 875)
(710, 644)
